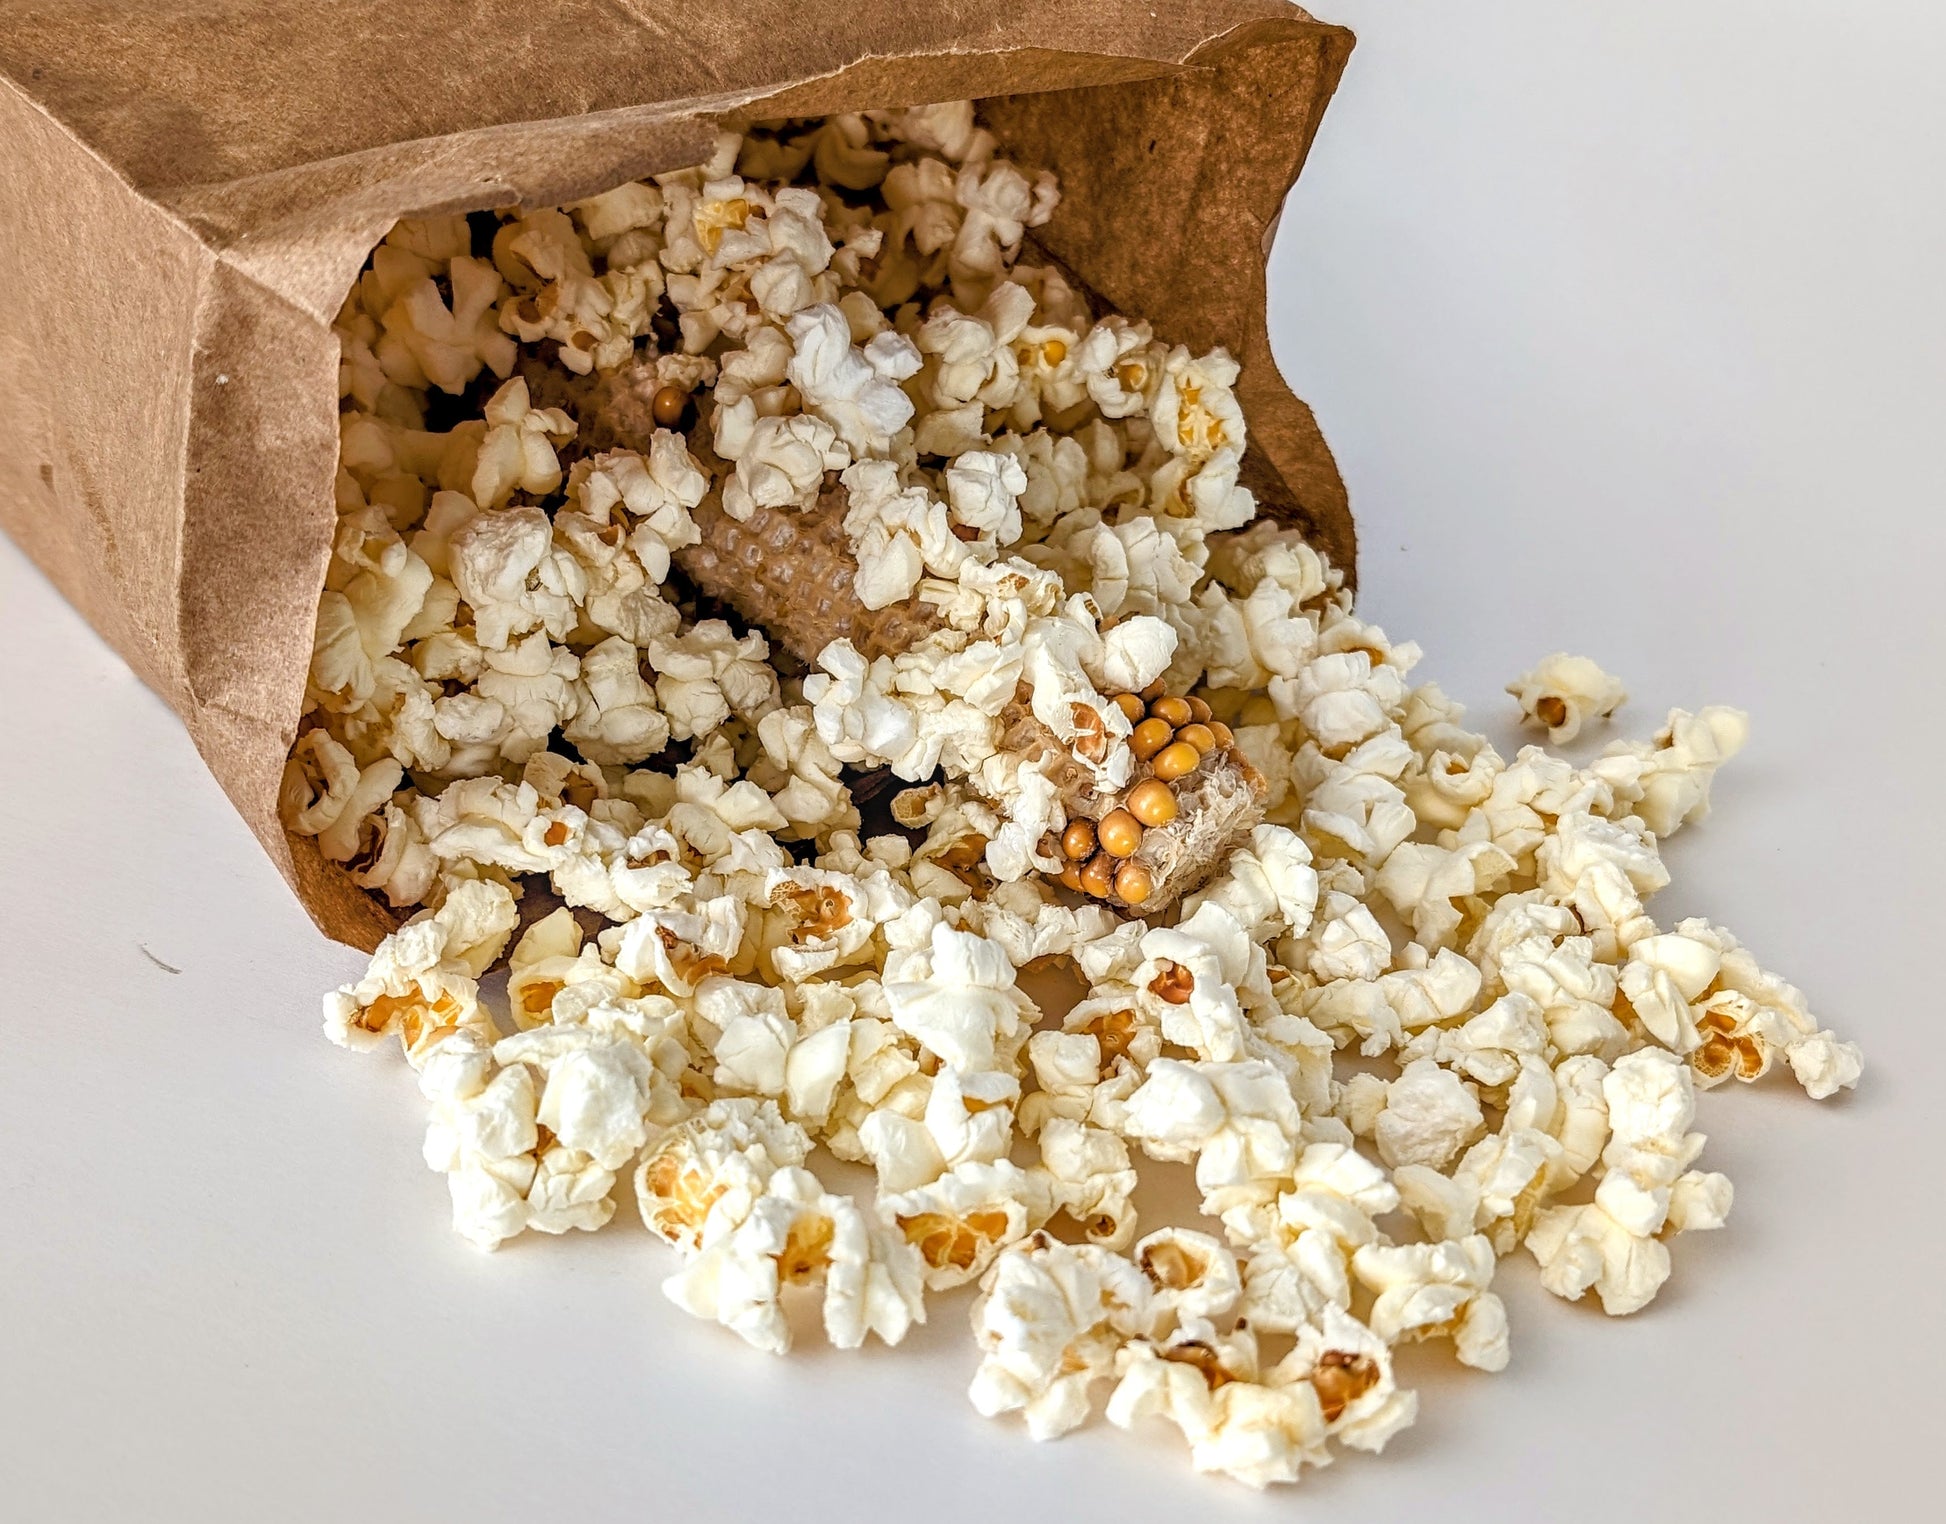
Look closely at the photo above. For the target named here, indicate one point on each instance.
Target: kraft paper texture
(188, 189)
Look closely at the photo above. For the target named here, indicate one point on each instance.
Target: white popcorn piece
(1196, 412)
(856, 391)
(779, 460)
(961, 1220)
(1429, 1116)
(1269, 887)
(1437, 1289)
(598, 1091)
(699, 1179)
(1091, 1179)
(1193, 975)
(957, 1118)
(481, 1135)
(424, 977)
(1563, 693)
(1195, 1278)
(1301, 1243)
(1676, 773)
(1615, 1245)
(1495, 1189)
(1049, 1320)
(1237, 1121)
(957, 996)
(1237, 1424)
(517, 450)
(680, 945)
(1350, 1368)
(796, 1233)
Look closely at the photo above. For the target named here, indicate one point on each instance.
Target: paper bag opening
(173, 395)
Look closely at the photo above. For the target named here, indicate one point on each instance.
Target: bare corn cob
(1192, 797)
(790, 572)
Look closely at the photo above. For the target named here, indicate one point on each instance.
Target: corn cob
(1192, 796)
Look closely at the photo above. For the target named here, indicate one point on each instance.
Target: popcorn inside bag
(771, 613)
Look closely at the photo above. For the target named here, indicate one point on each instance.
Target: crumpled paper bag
(190, 187)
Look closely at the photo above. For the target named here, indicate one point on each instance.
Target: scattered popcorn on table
(1394, 998)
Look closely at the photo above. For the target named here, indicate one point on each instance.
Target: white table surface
(1626, 323)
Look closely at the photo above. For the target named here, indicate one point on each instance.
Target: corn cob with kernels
(1192, 797)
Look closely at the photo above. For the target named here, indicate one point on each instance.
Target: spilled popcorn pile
(797, 616)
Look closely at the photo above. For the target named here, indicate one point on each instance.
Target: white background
(1626, 323)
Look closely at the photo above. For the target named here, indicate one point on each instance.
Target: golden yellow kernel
(1176, 760)
(1091, 735)
(1199, 709)
(1151, 693)
(806, 1251)
(815, 912)
(668, 406)
(1053, 352)
(1341, 1379)
(537, 999)
(1071, 878)
(1173, 709)
(1152, 803)
(1150, 737)
(1115, 1031)
(1121, 833)
(1199, 736)
(1225, 737)
(1131, 706)
(1173, 983)
(1099, 876)
(1133, 884)
(1078, 840)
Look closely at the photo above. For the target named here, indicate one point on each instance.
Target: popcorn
(1268, 887)
(597, 1094)
(1564, 693)
(854, 390)
(1350, 1369)
(517, 450)
(961, 1220)
(1091, 1179)
(481, 1136)
(798, 1234)
(495, 557)
(1440, 1288)
(961, 1119)
(1616, 1245)
(1236, 1424)
(1301, 1242)
(1674, 782)
(956, 995)
(701, 1178)
(424, 977)
(447, 345)
(1429, 1116)
(801, 494)
(779, 460)
(1049, 1320)
(1237, 1121)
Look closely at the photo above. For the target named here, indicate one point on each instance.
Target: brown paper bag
(188, 190)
